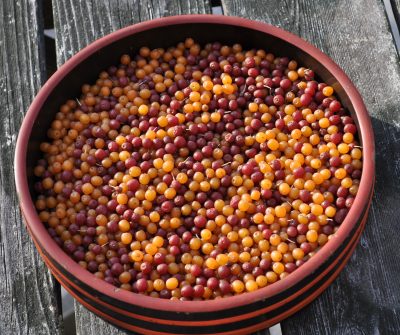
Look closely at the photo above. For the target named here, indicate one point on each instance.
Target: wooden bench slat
(365, 297)
(79, 22)
(396, 9)
(392, 9)
(29, 295)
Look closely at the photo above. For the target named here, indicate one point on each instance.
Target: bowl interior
(88, 70)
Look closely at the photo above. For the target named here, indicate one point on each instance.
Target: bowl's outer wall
(89, 69)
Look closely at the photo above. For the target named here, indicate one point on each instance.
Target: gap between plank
(394, 22)
(216, 7)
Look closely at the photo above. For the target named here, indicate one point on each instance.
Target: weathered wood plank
(365, 299)
(396, 10)
(79, 22)
(28, 293)
(392, 9)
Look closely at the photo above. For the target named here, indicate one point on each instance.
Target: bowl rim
(39, 231)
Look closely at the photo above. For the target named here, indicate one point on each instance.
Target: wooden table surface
(365, 299)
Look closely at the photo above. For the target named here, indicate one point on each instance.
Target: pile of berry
(189, 173)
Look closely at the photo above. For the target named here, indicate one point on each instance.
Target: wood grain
(396, 10)
(365, 299)
(28, 293)
(79, 22)
(393, 15)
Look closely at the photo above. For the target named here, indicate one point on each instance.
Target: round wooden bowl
(239, 314)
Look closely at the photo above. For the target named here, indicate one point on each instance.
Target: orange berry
(273, 144)
(171, 283)
(238, 286)
(327, 91)
(251, 285)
